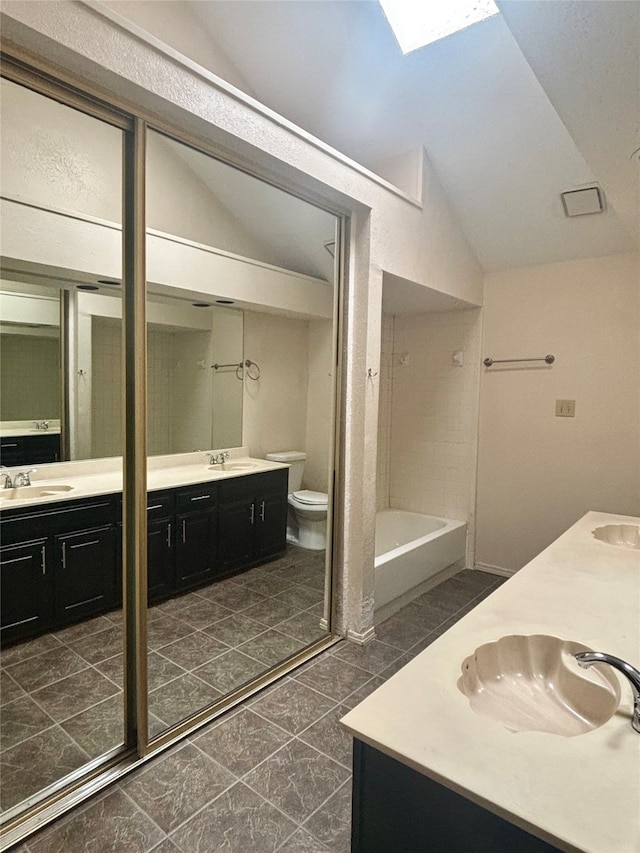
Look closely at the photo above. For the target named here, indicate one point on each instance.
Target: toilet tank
(295, 459)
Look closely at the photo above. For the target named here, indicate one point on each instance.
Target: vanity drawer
(159, 505)
(249, 485)
(202, 496)
(23, 523)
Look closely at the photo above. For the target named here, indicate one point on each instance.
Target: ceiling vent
(581, 202)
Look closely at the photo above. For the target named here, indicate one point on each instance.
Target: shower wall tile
(428, 413)
(384, 408)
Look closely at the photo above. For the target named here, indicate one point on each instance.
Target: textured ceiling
(511, 111)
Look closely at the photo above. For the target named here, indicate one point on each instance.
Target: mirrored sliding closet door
(241, 330)
(60, 440)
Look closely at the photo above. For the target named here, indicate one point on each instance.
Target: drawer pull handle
(201, 498)
(253, 513)
(184, 530)
(169, 535)
(15, 560)
(2, 446)
(44, 560)
(64, 555)
(261, 510)
(154, 506)
(84, 544)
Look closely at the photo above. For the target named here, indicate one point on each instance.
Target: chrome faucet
(218, 458)
(23, 478)
(4, 472)
(586, 659)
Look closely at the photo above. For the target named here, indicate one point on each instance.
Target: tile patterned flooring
(61, 693)
(273, 774)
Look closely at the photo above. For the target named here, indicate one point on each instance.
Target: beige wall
(29, 377)
(289, 406)
(538, 473)
(275, 405)
(319, 427)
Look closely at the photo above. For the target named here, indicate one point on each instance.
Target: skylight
(419, 22)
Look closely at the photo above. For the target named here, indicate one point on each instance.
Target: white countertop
(578, 793)
(17, 429)
(91, 478)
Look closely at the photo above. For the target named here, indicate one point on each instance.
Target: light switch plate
(565, 408)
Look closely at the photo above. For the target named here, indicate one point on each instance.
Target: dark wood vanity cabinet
(85, 577)
(57, 564)
(196, 535)
(397, 809)
(30, 449)
(63, 562)
(253, 520)
(26, 597)
(160, 545)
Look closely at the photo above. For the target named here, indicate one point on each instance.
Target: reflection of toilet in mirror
(307, 516)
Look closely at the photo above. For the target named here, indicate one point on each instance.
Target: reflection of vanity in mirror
(241, 354)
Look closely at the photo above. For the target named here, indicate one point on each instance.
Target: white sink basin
(233, 466)
(620, 535)
(24, 493)
(534, 683)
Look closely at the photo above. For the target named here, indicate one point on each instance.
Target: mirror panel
(245, 594)
(60, 566)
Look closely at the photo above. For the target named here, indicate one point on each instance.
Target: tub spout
(586, 659)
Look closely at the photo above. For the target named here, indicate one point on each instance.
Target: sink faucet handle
(4, 472)
(23, 478)
(586, 659)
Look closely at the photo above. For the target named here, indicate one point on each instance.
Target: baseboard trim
(361, 638)
(495, 570)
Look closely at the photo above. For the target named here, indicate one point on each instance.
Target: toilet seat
(310, 498)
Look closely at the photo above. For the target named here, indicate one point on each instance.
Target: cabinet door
(271, 525)
(85, 573)
(25, 589)
(159, 558)
(236, 535)
(196, 548)
(11, 451)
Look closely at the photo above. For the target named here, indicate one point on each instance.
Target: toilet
(307, 517)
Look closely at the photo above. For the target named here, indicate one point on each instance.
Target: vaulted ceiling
(544, 97)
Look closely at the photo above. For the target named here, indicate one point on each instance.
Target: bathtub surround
(414, 553)
(538, 473)
(427, 429)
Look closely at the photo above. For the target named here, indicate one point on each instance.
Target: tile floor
(274, 774)
(61, 693)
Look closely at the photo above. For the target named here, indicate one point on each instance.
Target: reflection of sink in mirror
(620, 535)
(534, 683)
(233, 466)
(23, 493)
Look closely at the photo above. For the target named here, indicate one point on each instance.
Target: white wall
(538, 473)
(430, 414)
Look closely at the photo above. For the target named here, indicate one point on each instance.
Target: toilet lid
(308, 497)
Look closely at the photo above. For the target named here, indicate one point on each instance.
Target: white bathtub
(412, 549)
